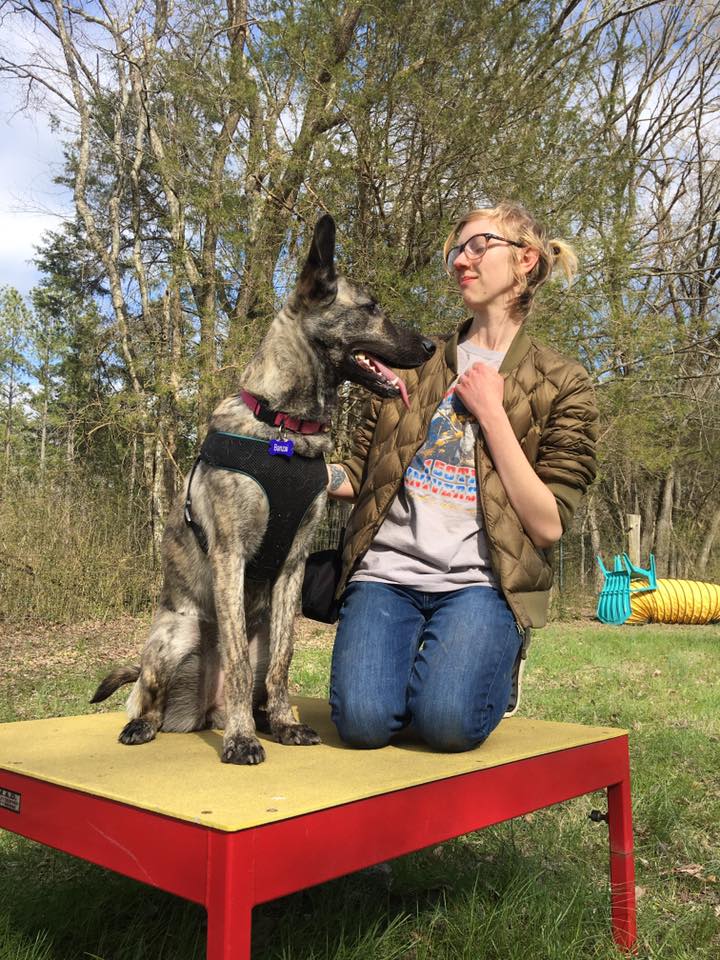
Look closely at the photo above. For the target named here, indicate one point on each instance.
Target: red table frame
(229, 872)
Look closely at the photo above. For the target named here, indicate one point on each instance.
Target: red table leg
(622, 864)
(228, 903)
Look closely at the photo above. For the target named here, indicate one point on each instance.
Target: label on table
(9, 800)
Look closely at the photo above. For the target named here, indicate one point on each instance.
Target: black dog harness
(291, 484)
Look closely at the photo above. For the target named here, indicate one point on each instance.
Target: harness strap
(195, 527)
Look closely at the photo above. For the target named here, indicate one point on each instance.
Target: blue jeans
(442, 661)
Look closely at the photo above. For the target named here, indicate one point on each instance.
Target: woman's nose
(461, 261)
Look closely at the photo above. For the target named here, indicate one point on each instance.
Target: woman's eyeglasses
(475, 247)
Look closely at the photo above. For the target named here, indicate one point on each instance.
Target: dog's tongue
(394, 379)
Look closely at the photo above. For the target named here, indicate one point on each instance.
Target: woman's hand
(480, 389)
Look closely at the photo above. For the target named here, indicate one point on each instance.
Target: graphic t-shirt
(432, 537)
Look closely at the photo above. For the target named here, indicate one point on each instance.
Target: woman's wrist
(532, 501)
(490, 418)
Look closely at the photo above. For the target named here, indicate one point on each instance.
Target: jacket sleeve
(566, 460)
(354, 465)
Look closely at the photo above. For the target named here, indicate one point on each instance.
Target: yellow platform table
(171, 814)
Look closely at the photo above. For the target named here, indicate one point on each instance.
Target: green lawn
(534, 889)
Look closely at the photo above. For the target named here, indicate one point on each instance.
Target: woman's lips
(466, 280)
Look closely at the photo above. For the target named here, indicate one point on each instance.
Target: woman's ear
(529, 257)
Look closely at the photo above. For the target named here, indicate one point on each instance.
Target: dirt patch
(30, 648)
(34, 647)
(310, 633)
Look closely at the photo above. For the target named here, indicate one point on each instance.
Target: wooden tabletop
(180, 774)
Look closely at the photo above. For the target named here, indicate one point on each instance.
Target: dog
(221, 640)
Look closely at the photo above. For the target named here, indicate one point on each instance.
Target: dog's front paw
(296, 734)
(245, 750)
(137, 731)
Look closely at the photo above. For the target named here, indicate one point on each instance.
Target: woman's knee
(361, 723)
(451, 728)
(449, 738)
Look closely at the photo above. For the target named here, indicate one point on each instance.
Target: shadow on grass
(480, 896)
(534, 889)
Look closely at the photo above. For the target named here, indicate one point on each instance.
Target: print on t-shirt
(443, 469)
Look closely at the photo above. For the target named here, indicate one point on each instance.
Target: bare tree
(201, 139)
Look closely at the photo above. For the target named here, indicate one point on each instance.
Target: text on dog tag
(283, 447)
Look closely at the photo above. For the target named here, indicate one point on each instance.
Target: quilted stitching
(550, 405)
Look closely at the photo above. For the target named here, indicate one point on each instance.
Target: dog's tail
(114, 680)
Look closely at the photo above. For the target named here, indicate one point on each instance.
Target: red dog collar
(274, 419)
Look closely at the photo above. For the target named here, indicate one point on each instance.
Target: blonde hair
(517, 224)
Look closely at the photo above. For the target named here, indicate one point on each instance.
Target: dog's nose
(429, 347)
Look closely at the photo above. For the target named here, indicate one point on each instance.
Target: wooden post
(633, 531)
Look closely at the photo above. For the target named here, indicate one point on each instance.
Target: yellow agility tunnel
(633, 595)
(677, 601)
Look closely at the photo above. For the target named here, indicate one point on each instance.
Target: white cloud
(31, 155)
(30, 203)
(19, 234)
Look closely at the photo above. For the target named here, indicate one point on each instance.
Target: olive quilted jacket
(550, 404)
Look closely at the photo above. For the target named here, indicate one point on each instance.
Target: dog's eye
(372, 308)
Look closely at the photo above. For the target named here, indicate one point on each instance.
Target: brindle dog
(220, 643)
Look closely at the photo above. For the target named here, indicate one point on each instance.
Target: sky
(30, 203)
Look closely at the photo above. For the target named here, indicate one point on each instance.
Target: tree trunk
(583, 529)
(159, 506)
(43, 437)
(676, 558)
(8, 431)
(711, 532)
(664, 525)
(149, 465)
(595, 541)
(647, 528)
(44, 414)
(70, 438)
(132, 476)
(174, 326)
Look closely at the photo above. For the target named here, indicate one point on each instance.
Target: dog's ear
(317, 283)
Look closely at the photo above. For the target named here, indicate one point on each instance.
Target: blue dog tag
(283, 447)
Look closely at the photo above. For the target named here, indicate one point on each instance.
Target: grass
(532, 889)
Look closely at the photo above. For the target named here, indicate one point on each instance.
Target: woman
(458, 500)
